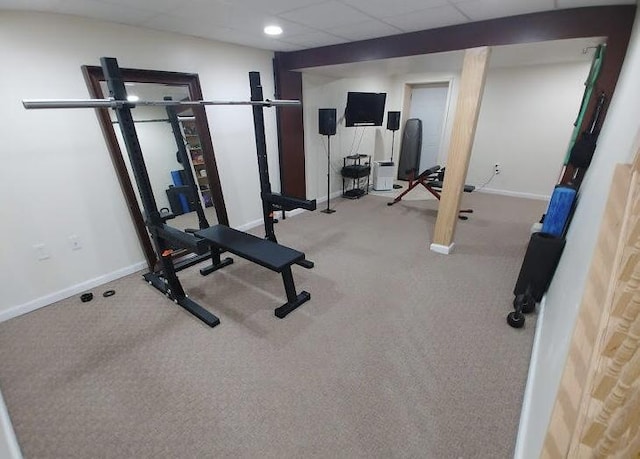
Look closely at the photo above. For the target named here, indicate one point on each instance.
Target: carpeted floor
(401, 352)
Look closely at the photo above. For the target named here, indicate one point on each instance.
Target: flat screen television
(364, 108)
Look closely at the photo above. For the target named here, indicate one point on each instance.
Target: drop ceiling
(306, 23)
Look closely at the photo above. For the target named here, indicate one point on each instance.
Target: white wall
(525, 124)
(57, 178)
(327, 92)
(556, 324)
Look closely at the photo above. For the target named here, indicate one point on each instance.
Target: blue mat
(560, 207)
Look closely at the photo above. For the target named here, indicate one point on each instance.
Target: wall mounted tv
(364, 108)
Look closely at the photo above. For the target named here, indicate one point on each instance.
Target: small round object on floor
(86, 297)
(109, 293)
(515, 319)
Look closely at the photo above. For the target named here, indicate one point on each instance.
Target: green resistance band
(590, 84)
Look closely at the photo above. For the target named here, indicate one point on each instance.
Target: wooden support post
(474, 72)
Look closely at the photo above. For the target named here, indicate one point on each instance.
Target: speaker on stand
(393, 124)
(327, 126)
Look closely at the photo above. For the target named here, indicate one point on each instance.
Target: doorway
(428, 102)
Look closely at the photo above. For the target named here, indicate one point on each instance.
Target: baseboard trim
(443, 249)
(10, 440)
(515, 194)
(522, 448)
(69, 291)
(250, 225)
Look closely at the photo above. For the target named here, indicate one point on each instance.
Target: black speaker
(327, 121)
(393, 121)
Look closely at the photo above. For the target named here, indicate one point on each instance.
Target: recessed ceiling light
(133, 98)
(273, 30)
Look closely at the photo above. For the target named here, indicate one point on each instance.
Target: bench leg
(169, 284)
(307, 264)
(216, 263)
(293, 300)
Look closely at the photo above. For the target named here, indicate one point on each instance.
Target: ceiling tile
(580, 3)
(478, 10)
(383, 8)
(430, 18)
(365, 30)
(234, 17)
(325, 15)
(314, 39)
(275, 6)
(105, 11)
(159, 6)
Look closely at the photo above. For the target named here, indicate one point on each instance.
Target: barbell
(113, 103)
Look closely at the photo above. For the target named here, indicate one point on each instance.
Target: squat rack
(208, 242)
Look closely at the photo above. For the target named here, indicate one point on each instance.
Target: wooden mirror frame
(93, 76)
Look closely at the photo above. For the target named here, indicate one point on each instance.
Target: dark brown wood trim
(93, 76)
(612, 22)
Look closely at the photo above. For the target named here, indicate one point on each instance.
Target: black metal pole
(261, 149)
(328, 210)
(194, 196)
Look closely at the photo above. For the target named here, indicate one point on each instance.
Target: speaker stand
(393, 138)
(328, 210)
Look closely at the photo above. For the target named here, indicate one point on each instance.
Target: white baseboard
(523, 450)
(515, 194)
(335, 194)
(260, 222)
(443, 249)
(250, 225)
(69, 291)
(9, 447)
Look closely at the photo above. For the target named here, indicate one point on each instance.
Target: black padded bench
(269, 254)
(432, 180)
(437, 184)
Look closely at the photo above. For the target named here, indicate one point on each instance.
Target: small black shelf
(355, 176)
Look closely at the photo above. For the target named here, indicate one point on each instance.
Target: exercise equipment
(117, 103)
(545, 248)
(540, 262)
(271, 202)
(433, 180)
(582, 151)
(108, 293)
(209, 242)
(560, 209)
(86, 297)
(410, 148)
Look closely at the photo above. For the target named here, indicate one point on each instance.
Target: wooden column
(474, 72)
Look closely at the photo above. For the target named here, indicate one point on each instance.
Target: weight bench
(432, 179)
(266, 253)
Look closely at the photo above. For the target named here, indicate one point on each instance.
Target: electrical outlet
(42, 252)
(74, 242)
(497, 168)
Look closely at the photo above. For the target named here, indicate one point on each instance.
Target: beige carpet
(401, 352)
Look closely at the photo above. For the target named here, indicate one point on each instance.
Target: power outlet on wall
(497, 168)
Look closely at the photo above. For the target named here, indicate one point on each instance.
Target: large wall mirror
(159, 149)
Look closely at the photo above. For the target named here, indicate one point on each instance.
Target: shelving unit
(355, 176)
(192, 141)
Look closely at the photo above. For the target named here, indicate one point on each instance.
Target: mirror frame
(93, 76)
